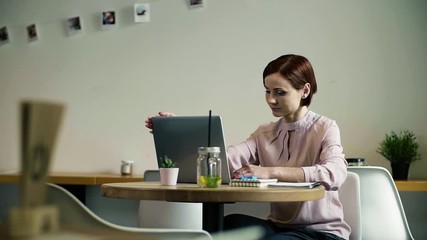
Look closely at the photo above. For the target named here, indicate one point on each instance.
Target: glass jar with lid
(209, 167)
(355, 161)
(126, 168)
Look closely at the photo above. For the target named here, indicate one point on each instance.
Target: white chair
(349, 194)
(383, 216)
(77, 216)
(162, 214)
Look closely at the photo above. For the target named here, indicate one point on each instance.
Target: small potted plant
(401, 150)
(168, 171)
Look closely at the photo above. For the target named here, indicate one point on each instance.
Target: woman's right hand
(149, 122)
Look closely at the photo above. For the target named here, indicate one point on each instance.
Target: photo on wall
(4, 35)
(196, 4)
(73, 25)
(108, 19)
(142, 12)
(32, 33)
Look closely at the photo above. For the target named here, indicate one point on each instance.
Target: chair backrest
(168, 214)
(77, 216)
(383, 216)
(349, 194)
(151, 176)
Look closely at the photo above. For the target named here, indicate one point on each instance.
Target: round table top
(193, 193)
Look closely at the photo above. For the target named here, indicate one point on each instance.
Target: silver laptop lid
(180, 137)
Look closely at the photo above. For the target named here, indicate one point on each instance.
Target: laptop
(180, 137)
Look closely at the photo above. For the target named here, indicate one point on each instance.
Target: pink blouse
(313, 143)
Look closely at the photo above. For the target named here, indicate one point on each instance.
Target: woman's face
(283, 99)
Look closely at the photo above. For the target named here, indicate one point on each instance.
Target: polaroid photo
(108, 19)
(196, 4)
(142, 12)
(4, 35)
(74, 25)
(32, 33)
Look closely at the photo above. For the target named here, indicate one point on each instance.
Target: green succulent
(400, 148)
(167, 162)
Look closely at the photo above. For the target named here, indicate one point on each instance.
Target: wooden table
(213, 199)
(411, 185)
(76, 182)
(77, 178)
(101, 178)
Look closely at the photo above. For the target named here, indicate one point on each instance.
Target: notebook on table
(251, 182)
(180, 137)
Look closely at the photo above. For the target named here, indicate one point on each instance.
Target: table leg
(213, 217)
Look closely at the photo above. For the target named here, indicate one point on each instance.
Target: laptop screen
(180, 137)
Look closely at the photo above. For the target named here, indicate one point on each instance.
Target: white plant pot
(168, 176)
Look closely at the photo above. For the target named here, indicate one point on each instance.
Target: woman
(301, 146)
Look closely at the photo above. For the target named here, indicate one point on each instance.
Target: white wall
(369, 56)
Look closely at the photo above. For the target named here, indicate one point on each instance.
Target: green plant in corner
(400, 148)
(167, 162)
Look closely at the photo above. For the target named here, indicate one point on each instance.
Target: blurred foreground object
(40, 122)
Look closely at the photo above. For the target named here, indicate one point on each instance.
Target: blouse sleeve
(332, 167)
(242, 154)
